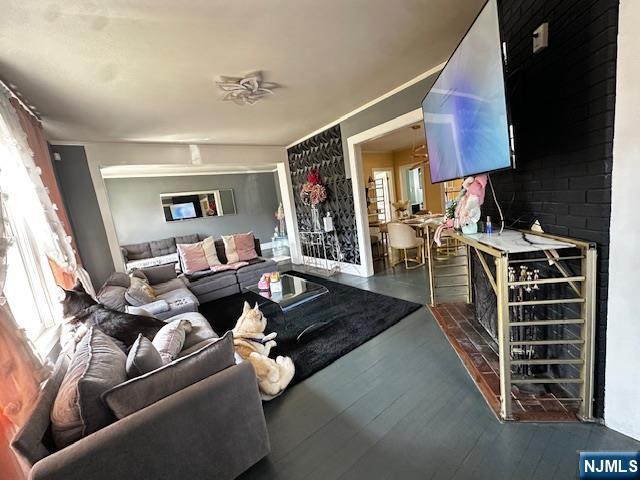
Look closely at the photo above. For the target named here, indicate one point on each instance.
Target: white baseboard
(349, 268)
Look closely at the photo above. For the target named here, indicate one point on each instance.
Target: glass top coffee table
(296, 291)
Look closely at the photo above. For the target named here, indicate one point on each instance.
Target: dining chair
(403, 237)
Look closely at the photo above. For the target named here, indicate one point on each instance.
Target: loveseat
(213, 428)
(205, 285)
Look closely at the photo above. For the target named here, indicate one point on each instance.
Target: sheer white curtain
(30, 234)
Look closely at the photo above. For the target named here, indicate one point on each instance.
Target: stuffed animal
(253, 346)
(464, 210)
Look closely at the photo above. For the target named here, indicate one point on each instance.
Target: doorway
(393, 169)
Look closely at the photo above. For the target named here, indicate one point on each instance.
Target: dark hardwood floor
(402, 406)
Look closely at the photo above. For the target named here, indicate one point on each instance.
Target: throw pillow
(140, 392)
(143, 358)
(97, 366)
(113, 297)
(170, 339)
(210, 252)
(230, 248)
(139, 293)
(192, 257)
(245, 246)
(160, 273)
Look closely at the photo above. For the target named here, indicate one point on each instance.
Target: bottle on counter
(488, 228)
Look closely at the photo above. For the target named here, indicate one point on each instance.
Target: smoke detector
(245, 90)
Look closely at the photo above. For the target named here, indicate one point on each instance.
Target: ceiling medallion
(245, 90)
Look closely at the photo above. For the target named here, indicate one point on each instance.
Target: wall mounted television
(465, 111)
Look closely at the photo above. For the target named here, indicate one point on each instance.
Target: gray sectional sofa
(206, 285)
(214, 428)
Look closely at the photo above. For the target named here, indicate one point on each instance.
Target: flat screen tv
(465, 112)
(182, 211)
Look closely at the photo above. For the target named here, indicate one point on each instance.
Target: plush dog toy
(253, 346)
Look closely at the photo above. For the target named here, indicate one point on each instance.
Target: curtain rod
(20, 101)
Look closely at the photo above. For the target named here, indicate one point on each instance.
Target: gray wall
(398, 104)
(137, 213)
(80, 200)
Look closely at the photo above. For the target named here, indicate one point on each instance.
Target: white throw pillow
(230, 249)
(209, 247)
(170, 339)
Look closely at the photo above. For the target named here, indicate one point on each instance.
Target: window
(30, 287)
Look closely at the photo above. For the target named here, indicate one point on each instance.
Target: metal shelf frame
(583, 285)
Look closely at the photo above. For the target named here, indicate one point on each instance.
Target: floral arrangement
(313, 192)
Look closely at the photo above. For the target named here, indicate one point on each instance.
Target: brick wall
(562, 105)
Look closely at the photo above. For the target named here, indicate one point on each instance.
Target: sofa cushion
(143, 357)
(192, 257)
(136, 394)
(162, 247)
(213, 281)
(187, 239)
(166, 287)
(230, 250)
(160, 273)
(118, 279)
(139, 293)
(97, 365)
(138, 251)
(173, 296)
(170, 339)
(33, 441)
(245, 246)
(200, 328)
(188, 351)
(113, 296)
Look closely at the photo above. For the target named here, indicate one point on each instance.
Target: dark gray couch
(214, 428)
(206, 285)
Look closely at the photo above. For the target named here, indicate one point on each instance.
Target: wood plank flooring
(402, 406)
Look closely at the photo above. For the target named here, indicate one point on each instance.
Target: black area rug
(351, 316)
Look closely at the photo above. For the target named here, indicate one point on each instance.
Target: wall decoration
(323, 153)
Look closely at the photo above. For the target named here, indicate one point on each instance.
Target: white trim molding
(357, 180)
(382, 97)
(290, 218)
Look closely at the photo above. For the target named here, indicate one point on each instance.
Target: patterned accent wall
(324, 152)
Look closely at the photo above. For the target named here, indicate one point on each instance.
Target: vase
(315, 219)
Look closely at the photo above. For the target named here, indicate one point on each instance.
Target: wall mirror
(189, 205)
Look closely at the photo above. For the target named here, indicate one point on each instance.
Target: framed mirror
(190, 205)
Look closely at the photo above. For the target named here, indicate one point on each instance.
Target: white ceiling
(397, 140)
(146, 70)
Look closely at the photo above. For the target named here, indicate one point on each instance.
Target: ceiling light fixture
(419, 151)
(245, 90)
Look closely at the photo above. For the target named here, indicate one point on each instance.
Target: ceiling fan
(418, 152)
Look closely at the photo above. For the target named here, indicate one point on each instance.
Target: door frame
(354, 149)
(392, 186)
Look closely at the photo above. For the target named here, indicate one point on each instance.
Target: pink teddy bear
(469, 205)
